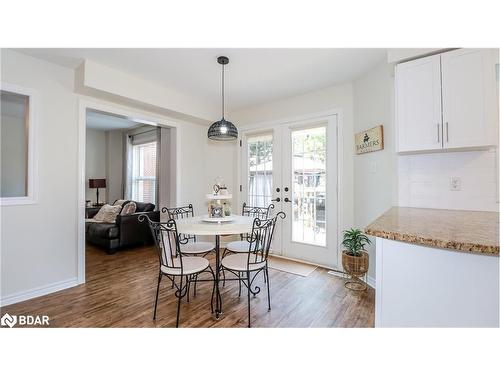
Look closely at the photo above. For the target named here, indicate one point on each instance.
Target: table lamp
(96, 183)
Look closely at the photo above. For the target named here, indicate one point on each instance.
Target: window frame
(32, 166)
(133, 179)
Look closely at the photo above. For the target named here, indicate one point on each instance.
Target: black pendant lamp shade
(222, 130)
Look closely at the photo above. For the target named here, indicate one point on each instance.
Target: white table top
(195, 225)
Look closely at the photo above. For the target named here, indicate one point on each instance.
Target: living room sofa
(126, 231)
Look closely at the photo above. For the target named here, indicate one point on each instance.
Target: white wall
(95, 163)
(46, 259)
(375, 173)
(424, 180)
(38, 242)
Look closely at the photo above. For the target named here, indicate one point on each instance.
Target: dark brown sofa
(127, 231)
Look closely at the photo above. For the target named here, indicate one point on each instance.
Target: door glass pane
(309, 186)
(14, 144)
(260, 170)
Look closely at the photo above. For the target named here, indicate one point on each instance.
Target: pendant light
(222, 130)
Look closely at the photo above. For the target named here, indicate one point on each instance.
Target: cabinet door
(418, 104)
(469, 118)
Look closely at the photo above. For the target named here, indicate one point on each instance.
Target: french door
(294, 167)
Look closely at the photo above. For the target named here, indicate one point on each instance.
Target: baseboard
(371, 281)
(38, 292)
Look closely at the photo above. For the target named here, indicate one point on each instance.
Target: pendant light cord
(222, 90)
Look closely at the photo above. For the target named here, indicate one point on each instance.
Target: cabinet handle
(447, 137)
(439, 141)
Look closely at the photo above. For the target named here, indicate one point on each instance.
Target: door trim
(95, 104)
(262, 127)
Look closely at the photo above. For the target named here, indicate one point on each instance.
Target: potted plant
(355, 258)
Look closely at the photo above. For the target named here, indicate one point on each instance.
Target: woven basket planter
(355, 267)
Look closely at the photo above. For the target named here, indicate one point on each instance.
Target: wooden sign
(370, 140)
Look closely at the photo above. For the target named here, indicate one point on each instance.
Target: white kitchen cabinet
(447, 101)
(418, 104)
(468, 89)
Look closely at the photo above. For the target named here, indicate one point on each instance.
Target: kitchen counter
(465, 231)
(418, 284)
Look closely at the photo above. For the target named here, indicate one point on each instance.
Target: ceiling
(253, 76)
(104, 121)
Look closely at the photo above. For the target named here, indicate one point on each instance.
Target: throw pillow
(107, 213)
(129, 208)
(119, 202)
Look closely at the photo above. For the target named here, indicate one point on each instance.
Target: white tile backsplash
(424, 180)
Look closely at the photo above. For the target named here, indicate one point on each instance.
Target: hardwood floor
(120, 289)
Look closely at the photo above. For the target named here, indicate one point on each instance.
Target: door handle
(447, 137)
(287, 200)
(276, 200)
(439, 141)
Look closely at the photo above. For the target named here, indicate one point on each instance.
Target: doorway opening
(127, 168)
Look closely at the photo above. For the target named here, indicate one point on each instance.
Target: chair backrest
(166, 241)
(260, 212)
(257, 212)
(184, 212)
(261, 239)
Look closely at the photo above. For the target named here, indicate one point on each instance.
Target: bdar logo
(8, 320)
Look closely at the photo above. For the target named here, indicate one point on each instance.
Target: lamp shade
(97, 183)
(222, 130)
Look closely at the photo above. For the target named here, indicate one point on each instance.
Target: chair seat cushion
(238, 246)
(238, 262)
(190, 265)
(197, 247)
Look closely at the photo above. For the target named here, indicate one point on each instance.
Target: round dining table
(197, 226)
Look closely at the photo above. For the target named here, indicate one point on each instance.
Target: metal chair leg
(239, 286)
(195, 283)
(248, 296)
(157, 291)
(179, 304)
(268, 293)
(188, 286)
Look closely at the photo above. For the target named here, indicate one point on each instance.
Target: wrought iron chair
(173, 264)
(246, 266)
(241, 246)
(256, 212)
(188, 243)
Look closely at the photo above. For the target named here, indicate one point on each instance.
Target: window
(144, 172)
(260, 170)
(17, 149)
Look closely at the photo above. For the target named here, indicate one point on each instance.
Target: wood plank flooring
(120, 290)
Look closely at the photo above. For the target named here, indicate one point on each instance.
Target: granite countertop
(467, 231)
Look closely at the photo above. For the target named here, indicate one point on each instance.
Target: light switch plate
(455, 184)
